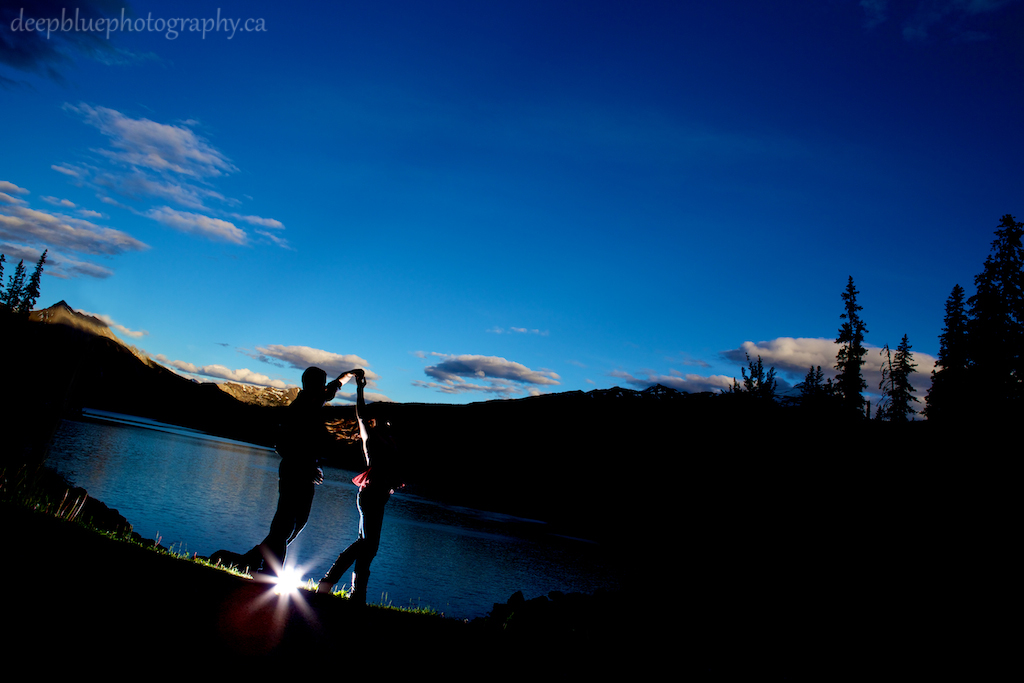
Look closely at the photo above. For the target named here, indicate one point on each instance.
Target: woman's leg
(371, 508)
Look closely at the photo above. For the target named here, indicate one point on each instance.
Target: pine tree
(759, 383)
(15, 287)
(813, 386)
(897, 392)
(995, 330)
(31, 292)
(850, 358)
(885, 386)
(949, 390)
(2, 259)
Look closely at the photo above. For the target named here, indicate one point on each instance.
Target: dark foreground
(81, 601)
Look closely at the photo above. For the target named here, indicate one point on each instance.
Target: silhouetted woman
(376, 484)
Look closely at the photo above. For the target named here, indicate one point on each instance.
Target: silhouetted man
(302, 441)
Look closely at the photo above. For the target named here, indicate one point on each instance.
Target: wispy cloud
(195, 223)
(262, 222)
(517, 330)
(18, 222)
(875, 12)
(112, 324)
(215, 371)
(25, 229)
(160, 147)
(954, 18)
(165, 171)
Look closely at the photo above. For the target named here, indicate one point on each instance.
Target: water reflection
(201, 494)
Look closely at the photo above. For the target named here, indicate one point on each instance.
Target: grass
(25, 488)
(47, 492)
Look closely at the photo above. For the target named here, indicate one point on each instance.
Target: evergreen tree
(885, 386)
(2, 259)
(759, 383)
(949, 390)
(31, 292)
(15, 288)
(850, 358)
(897, 392)
(813, 386)
(995, 331)
(816, 392)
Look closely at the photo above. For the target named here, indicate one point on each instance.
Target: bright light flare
(288, 582)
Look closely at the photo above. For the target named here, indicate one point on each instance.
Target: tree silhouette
(759, 383)
(897, 392)
(15, 288)
(995, 329)
(31, 291)
(850, 381)
(949, 389)
(813, 386)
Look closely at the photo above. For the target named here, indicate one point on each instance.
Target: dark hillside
(54, 370)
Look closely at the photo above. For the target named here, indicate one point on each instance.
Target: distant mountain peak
(656, 391)
(264, 396)
(62, 314)
(661, 391)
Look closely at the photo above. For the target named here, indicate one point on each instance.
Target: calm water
(199, 494)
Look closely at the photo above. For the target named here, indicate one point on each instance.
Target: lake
(197, 493)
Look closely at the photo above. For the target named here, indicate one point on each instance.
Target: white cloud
(148, 161)
(518, 330)
(452, 368)
(58, 265)
(216, 371)
(279, 241)
(22, 223)
(10, 188)
(160, 147)
(302, 357)
(794, 356)
(195, 223)
(109, 322)
(484, 374)
(791, 355)
(65, 170)
(32, 230)
(137, 185)
(262, 222)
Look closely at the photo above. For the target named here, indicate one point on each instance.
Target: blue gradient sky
(478, 200)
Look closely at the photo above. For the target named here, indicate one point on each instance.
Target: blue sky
(478, 200)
